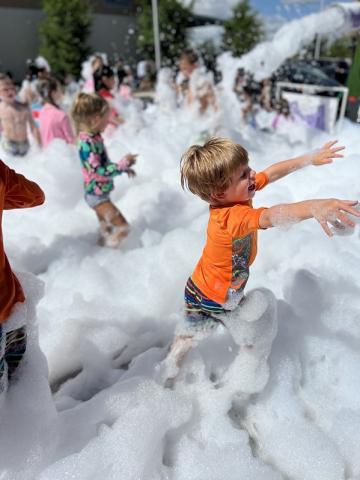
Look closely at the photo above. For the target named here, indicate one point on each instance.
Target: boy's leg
(196, 325)
(181, 345)
(198, 321)
(113, 225)
(15, 349)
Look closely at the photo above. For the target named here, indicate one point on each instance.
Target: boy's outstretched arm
(325, 155)
(330, 210)
(19, 191)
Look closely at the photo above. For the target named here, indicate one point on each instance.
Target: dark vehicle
(303, 72)
(335, 69)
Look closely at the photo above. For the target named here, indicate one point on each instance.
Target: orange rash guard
(231, 247)
(15, 192)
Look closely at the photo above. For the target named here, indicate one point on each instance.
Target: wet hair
(190, 56)
(101, 72)
(85, 107)
(208, 169)
(96, 59)
(46, 87)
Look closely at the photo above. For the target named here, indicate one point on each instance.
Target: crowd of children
(217, 171)
(260, 107)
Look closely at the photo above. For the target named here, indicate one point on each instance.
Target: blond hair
(208, 169)
(85, 107)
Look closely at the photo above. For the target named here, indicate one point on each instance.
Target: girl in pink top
(53, 122)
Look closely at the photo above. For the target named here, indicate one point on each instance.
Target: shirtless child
(15, 117)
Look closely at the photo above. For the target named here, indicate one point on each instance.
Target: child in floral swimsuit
(90, 113)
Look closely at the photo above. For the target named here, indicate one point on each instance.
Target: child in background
(88, 69)
(219, 174)
(15, 192)
(194, 84)
(90, 113)
(15, 117)
(54, 123)
(104, 79)
(125, 79)
(165, 91)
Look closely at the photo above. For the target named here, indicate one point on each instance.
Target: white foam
(107, 317)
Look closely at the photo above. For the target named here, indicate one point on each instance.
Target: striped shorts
(12, 349)
(200, 311)
(14, 147)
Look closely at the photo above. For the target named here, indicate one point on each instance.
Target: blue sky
(287, 8)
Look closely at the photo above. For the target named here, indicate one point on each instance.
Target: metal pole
(318, 38)
(155, 15)
(345, 91)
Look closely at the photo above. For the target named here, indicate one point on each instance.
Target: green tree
(173, 21)
(63, 34)
(243, 30)
(353, 81)
(341, 48)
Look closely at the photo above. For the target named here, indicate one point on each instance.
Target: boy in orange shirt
(219, 173)
(15, 192)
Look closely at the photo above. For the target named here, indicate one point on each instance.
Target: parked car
(337, 69)
(303, 72)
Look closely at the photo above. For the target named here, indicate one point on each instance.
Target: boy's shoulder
(221, 214)
(16, 106)
(224, 210)
(22, 106)
(235, 221)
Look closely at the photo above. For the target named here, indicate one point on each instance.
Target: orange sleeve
(261, 180)
(19, 191)
(242, 220)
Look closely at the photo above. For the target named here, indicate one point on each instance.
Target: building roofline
(107, 7)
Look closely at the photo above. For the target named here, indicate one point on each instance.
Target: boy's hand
(326, 154)
(131, 173)
(333, 211)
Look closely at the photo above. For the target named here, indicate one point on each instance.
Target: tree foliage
(243, 30)
(342, 47)
(173, 21)
(64, 33)
(353, 81)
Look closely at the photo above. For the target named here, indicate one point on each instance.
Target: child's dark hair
(85, 107)
(190, 56)
(46, 88)
(101, 72)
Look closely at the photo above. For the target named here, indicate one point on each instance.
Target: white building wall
(19, 37)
